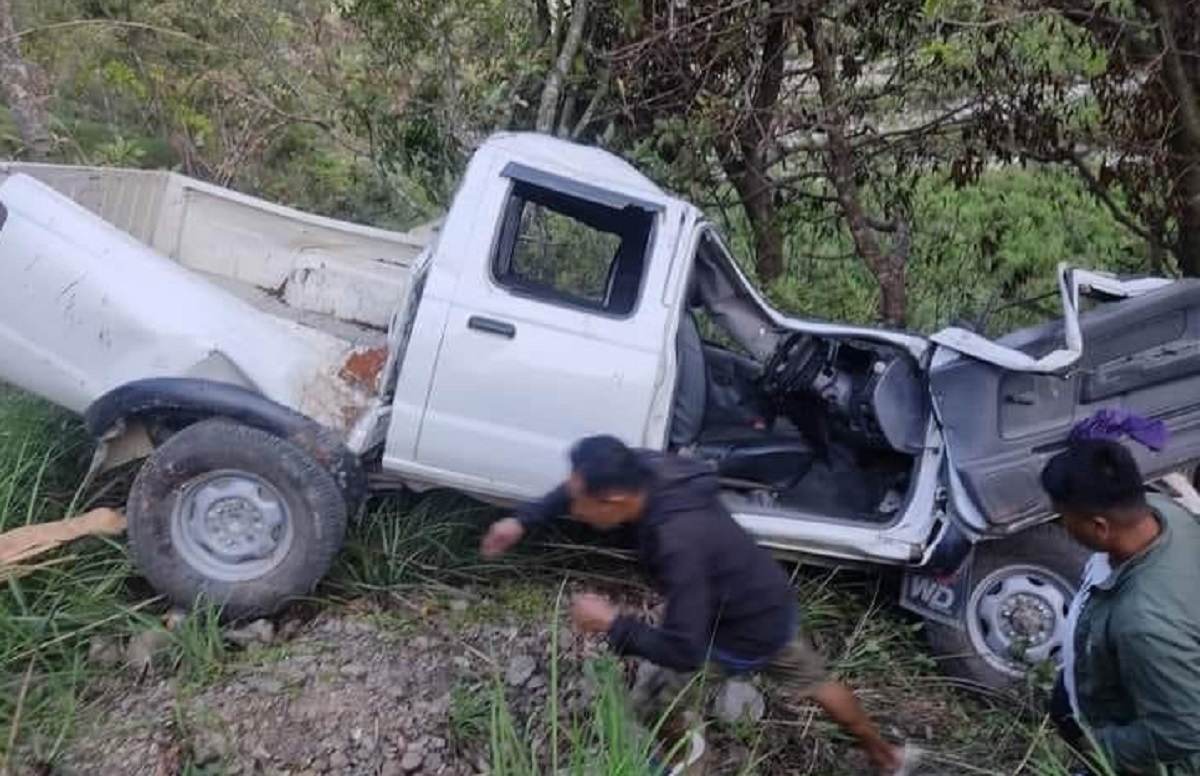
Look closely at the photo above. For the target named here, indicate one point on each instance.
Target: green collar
(1129, 567)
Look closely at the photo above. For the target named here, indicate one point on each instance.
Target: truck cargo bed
(142, 274)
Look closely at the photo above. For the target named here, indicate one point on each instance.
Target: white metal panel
(505, 411)
(85, 308)
(348, 271)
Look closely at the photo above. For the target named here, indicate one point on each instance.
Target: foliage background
(367, 110)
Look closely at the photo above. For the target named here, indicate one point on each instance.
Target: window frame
(582, 194)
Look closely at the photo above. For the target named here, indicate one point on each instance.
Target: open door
(1140, 354)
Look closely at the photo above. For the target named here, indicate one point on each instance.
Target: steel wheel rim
(1017, 617)
(231, 525)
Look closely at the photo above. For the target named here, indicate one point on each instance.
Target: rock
(289, 629)
(520, 668)
(411, 762)
(391, 768)
(257, 632)
(338, 761)
(566, 639)
(147, 648)
(353, 671)
(174, 618)
(459, 605)
(261, 754)
(739, 700)
(104, 652)
(536, 683)
(264, 685)
(421, 643)
(209, 747)
(432, 763)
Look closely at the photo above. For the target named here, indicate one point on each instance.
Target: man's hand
(592, 613)
(501, 537)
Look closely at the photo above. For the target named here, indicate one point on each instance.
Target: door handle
(492, 326)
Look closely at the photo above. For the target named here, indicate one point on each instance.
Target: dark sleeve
(681, 642)
(1158, 667)
(554, 504)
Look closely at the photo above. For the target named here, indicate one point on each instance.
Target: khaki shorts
(798, 669)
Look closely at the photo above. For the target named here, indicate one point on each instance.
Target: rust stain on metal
(363, 366)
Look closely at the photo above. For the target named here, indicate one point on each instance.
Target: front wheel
(236, 515)
(1015, 616)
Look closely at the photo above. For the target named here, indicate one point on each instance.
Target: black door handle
(492, 326)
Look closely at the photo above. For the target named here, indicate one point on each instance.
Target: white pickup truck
(272, 366)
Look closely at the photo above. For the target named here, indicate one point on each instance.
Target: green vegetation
(426, 545)
(49, 610)
(367, 110)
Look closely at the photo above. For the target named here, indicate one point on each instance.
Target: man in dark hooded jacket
(728, 603)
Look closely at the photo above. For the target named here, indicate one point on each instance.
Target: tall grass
(49, 610)
(606, 739)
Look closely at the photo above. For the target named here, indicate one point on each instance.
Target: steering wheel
(793, 364)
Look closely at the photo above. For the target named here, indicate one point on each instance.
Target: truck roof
(572, 160)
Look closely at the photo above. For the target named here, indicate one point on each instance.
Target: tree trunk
(552, 90)
(745, 157)
(1187, 244)
(889, 267)
(24, 89)
(758, 200)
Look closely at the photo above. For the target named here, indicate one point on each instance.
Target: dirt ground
(404, 688)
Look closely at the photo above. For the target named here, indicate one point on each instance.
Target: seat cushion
(765, 460)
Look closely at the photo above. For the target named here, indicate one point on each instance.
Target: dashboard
(870, 395)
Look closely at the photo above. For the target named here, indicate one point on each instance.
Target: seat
(745, 456)
(757, 459)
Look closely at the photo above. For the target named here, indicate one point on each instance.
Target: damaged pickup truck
(271, 367)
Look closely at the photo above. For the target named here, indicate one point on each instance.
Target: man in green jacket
(1131, 668)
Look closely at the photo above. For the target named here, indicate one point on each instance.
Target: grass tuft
(51, 608)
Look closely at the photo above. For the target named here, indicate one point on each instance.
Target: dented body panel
(292, 306)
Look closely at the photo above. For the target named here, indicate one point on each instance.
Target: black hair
(605, 464)
(1094, 475)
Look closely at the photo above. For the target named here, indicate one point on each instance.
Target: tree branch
(1176, 75)
(1100, 191)
(554, 79)
(888, 269)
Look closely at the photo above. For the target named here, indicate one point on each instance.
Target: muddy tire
(1016, 610)
(235, 515)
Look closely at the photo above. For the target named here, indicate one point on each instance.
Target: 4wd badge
(937, 598)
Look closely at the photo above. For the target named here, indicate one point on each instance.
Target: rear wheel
(1015, 616)
(234, 514)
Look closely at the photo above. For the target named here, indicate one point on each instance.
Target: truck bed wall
(352, 273)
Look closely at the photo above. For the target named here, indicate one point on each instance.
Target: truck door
(558, 334)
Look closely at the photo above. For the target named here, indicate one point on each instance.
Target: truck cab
(565, 296)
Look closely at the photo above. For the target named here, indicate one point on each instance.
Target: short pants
(797, 668)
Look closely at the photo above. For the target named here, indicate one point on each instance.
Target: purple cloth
(1114, 424)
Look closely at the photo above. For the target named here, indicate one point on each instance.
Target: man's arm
(504, 534)
(1158, 667)
(554, 504)
(682, 641)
